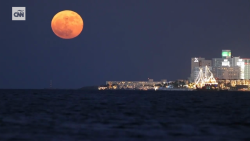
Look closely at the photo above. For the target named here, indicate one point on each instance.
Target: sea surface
(69, 115)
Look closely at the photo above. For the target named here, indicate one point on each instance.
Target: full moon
(67, 24)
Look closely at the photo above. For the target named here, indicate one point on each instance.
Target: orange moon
(67, 24)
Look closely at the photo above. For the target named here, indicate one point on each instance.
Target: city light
(226, 70)
(241, 64)
(226, 63)
(205, 78)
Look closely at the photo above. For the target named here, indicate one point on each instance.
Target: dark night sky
(121, 40)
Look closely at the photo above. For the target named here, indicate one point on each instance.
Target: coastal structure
(226, 67)
(246, 68)
(145, 85)
(196, 64)
(150, 84)
(239, 84)
(228, 72)
(225, 73)
(205, 78)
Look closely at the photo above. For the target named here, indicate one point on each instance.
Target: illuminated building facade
(196, 63)
(229, 67)
(234, 84)
(226, 54)
(226, 67)
(196, 70)
(205, 77)
(246, 67)
(226, 60)
(136, 84)
(225, 72)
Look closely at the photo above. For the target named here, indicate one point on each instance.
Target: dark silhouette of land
(90, 88)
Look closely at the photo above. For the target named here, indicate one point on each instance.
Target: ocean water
(62, 115)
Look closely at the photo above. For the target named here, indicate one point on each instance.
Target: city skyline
(121, 40)
(225, 67)
(227, 61)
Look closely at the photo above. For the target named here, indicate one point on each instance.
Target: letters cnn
(18, 13)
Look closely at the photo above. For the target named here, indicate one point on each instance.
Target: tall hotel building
(227, 67)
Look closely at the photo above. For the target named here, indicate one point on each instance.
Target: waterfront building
(225, 72)
(225, 60)
(196, 63)
(136, 84)
(226, 67)
(234, 84)
(246, 67)
(196, 71)
(229, 67)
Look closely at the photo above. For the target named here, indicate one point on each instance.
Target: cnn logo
(18, 13)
